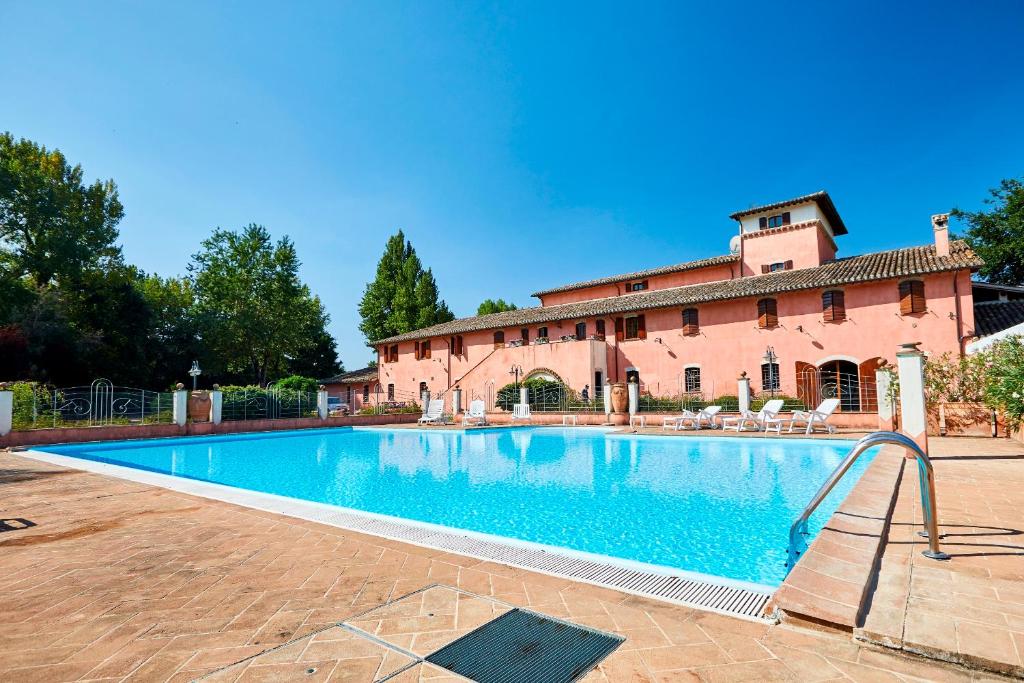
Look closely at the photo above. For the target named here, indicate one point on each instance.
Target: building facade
(781, 307)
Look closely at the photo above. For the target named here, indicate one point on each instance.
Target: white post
(456, 401)
(216, 405)
(913, 410)
(524, 395)
(6, 411)
(425, 397)
(886, 414)
(607, 396)
(180, 405)
(634, 397)
(743, 392)
(321, 402)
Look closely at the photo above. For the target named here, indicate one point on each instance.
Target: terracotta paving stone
(965, 609)
(120, 581)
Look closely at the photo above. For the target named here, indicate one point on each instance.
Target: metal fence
(37, 406)
(856, 393)
(254, 403)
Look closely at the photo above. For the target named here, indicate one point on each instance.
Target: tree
(257, 313)
(997, 235)
(175, 336)
(52, 224)
(491, 306)
(402, 297)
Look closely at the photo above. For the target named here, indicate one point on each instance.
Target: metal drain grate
(523, 647)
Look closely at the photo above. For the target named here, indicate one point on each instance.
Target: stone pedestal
(456, 401)
(886, 409)
(180, 405)
(913, 412)
(6, 412)
(216, 405)
(743, 392)
(322, 408)
(634, 397)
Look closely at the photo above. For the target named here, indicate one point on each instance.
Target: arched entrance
(840, 379)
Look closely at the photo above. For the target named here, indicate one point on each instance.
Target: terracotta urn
(620, 398)
(199, 406)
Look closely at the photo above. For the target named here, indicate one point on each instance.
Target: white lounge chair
(433, 415)
(673, 420)
(755, 420)
(809, 419)
(706, 415)
(521, 411)
(476, 414)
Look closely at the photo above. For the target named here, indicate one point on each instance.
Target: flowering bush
(948, 379)
(1004, 379)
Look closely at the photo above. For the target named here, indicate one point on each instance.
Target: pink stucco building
(781, 306)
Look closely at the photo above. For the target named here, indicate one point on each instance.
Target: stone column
(886, 409)
(524, 395)
(321, 402)
(607, 397)
(6, 410)
(913, 410)
(634, 397)
(425, 397)
(743, 392)
(216, 405)
(180, 405)
(456, 401)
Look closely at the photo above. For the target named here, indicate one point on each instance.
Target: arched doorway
(840, 379)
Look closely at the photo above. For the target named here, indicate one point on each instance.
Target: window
(366, 393)
(599, 324)
(581, 330)
(691, 380)
(776, 267)
(770, 376)
(499, 339)
(776, 221)
(422, 350)
(394, 353)
(767, 313)
(455, 344)
(542, 332)
(912, 297)
(833, 306)
(691, 325)
(635, 328)
(636, 286)
(524, 334)
(391, 392)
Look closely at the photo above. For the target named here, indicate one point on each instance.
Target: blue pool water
(716, 505)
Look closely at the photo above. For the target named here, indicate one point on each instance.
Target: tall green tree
(403, 296)
(257, 314)
(997, 233)
(53, 224)
(488, 306)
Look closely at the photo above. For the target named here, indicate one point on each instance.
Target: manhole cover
(523, 646)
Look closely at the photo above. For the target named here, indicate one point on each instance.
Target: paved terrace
(122, 581)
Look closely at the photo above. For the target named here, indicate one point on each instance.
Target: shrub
(297, 383)
(955, 380)
(1004, 379)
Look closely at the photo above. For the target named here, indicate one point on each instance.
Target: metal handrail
(925, 475)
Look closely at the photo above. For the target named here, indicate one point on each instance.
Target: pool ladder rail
(925, 474)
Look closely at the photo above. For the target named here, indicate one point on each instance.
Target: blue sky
(519, 146)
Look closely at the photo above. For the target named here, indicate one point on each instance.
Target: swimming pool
(714, 505)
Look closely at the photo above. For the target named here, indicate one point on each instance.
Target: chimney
(940, 224)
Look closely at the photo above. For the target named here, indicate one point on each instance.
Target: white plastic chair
(433, 415)
(811, 418)
(521, 411)
(476, 414)
(708, 415)
(757, 420)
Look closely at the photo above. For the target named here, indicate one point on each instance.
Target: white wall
(798, 213)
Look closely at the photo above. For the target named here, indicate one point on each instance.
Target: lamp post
(194, 371)
(516, 370)
(771, 359)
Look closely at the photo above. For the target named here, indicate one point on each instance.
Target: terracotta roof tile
(363, 375)
(995, 316)
(650, 272)
(877, 266)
